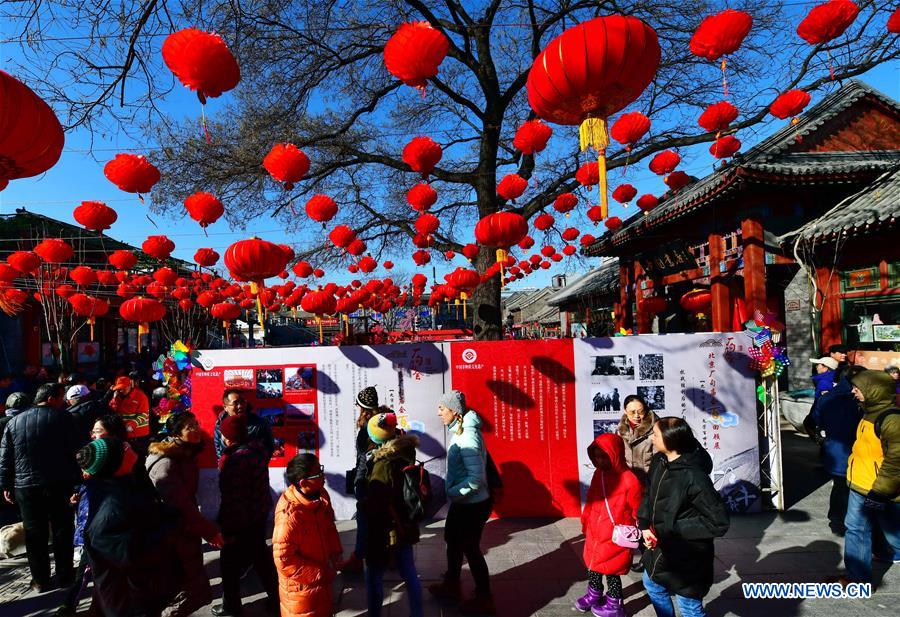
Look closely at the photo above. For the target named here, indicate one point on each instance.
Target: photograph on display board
(605, 426)
(273, 415)
(606, 399)
(278, 452)
(307, 441)
(269, 383)
(613, 366)
(238, 378)
(299, 379)
(650, 367)
(655, 397)
(295, 412)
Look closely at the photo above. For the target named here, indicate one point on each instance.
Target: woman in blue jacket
(470, 505)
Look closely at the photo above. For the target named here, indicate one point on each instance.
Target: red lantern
(717, 117)
(422, 154)
(470, 251)
(225, 311)
(122, 260)
(789, 104)
(647, 202)
(568, 250)
(827, 21)
(204, 208)
(501, 230)
(132, 173)
(107, 277)
(388, 265)
(422, 241)
(421, 197)
(186, 305)
(427, 224)
(721, 34)
(286, 163)
(697, 301)
(206, 257)
(207, 298)
(25, 262)
(90, 307)
(624, 193)
(54, 250)
(613, 223)
(588, 174)
(31, 138)
(893, 23)
(84, 276)
(570, 234)
(302, 269)
(565, 203)
(95, 215)
(419, 280)
(142, 311)
(159, 247)
(532, 137)
(665, 162)
(543, 221)
(725, 147)
(254, 260)
(449, 255)
(321, 208)
(341, 236)
(65, 291)
(677, 180)
(8, 274)
(201, 61)
(356, 248)
(652, 304)
(367, 264)
(414, 53)
(587, 240)
(590, 72)
(595, 214)
(526, 243)
(629, 128)
(165, 276)
(511, 187)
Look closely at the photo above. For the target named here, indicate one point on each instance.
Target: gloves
(876, 502)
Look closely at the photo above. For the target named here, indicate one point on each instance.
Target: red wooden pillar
(754, 264)
(31, 334)
(623, 308)
(643, 321)
(828, 297)
(721, 296)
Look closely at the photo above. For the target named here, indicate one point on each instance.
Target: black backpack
(416, 491)
(879, 421)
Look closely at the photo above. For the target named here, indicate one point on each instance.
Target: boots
(589, 600)
(446, 590)
(611, 607)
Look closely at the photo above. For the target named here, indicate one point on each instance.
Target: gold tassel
(724, 79)
(594, 133)
(91, 323)
(319, 321)
(464, 297)
(143, 328)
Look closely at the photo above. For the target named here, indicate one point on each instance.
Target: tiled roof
(599, 281)
(770, 156)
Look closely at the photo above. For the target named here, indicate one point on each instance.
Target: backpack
(879, 421)
(416, 491)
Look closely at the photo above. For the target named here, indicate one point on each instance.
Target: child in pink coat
(615, 491)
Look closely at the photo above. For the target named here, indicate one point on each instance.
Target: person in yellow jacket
(873, 474)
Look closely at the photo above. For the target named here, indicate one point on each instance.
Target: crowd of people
(87, 464)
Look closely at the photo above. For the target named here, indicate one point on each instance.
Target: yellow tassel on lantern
(91, 322)
(319, 321)
(143, 328)
(464, 297)
(594, 134)
(346, 319)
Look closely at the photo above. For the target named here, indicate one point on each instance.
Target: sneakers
(589, 600)
(478, 605)
(353, 565)
(611, 607)
(447, 590)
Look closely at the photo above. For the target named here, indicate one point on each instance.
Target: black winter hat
(367, 398)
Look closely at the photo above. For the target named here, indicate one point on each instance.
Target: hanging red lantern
(206, 257)
(613, 223)
(427, 224)
(204, 208)
(89, 307)
(588, 174)
(414, 53)
(827, 21)
(789, 104)
(697, 301)
(647, 202)
(720, 35)
(569, 250)
(547, 251)
(532, 137)
(422, 154)
(25, 262)
(388, 265)
(511, 187)
(717, 117)
(419, 280)
(449, 255)
(165, 276)
(84, 276)
(629, 128)
(893, 23)
(159, 247)
(652, 304)
(526, 243)
(367, 264)
(356, 248)
(186, 305)
(500, 231)
(95, 215)
(624, 193)
(122, 259)
(65, 291)
(590, 72)
(107, 277)
(543, 221)
(302, 269)
(570, 234)
(54, 250)
(201, 61)
(566, 202)
(725, 147)
(423, 241)
(225, 312)
(421, 197)
(142, 311)
(665, 162)
(286, 163)
(132, 173)
(254, 260)
(321, 208)
(341, 236)
(8, 274)
(595, 214)
(421, 257)
(470, 251)
(207, 298)
(31, 138)
(677, 180)
(587, 240)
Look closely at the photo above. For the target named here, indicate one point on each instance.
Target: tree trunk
(486, 314)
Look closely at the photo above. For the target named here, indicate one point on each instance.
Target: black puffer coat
(685, 512)
(38, 449)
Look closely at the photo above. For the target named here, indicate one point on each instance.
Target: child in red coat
(614, 490)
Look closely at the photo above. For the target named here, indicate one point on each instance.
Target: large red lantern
(422, 154)
(341, 236)
(827, 21)
(205, 208)
(54, 250)
(122, 259)
(421, 197)
(159, 247)
(697, 301)
(511, 187)
(201, 61)
(427, 224)
(142, 311)
(31, 138)
(789, 104)
(286, 163)
(95, 215)
(725, 147)
(677, 180)
(414, 53)
(25, 262)
(717, 117)
(321, 208)
(132, 173)
(647, 202)
(500, 231)
(590, 72)
(719, 35)
(8, 274)
(566, 202)
(89, 307)
(254, 260)
(532, 137)
(665, 162)
(624, 193)
(629, 128)
(84, 276)
(206, 257)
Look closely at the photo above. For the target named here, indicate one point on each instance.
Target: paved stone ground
(536, 565)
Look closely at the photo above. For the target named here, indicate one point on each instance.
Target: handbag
(626, 536)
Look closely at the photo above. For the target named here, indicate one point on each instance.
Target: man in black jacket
(37, 465)
(85, 409)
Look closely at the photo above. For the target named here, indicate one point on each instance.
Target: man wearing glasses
(258, 429)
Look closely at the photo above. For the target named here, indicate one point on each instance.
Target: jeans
(837, 502)
(858, 539)
(462, 532)
(362, 528)
(662, 601)
(406, 564)
(43, 507)
(245, 548)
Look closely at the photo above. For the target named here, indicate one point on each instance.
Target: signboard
(887, 334)
(670, 259)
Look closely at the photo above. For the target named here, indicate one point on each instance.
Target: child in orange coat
(305, 543)
(612, 499)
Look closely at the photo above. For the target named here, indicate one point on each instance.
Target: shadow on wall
(553, 369)
(523, 494)
(510, 394)
(427, 358)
